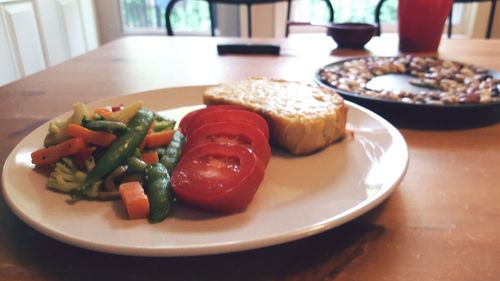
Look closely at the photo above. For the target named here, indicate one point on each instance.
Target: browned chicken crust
(302, 118)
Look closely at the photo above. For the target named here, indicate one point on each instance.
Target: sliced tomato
(231, 133)
(199, 114)
(183, 124)
(218, 177)
(234, 115)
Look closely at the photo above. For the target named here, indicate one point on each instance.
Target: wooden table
(441, 223)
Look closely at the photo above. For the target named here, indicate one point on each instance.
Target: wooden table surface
(441, 223)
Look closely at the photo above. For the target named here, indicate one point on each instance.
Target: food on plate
(232, 132)
(223, 160)
(130, 152)
(302, 118)
(233, 115)
(121, 151)
(135, 200)
(57, 128)
(217, 177)
(161, 199)
(443, 82)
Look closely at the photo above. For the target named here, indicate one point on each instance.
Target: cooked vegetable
(142, 145)
(172, 154)
(98, 138)
(150, 157)
(136, 165)
(57, 128)
(121, 149)
(109, 182)
(159, 139)
(127, 113)
(82, 158)
(104, 112)
(104, 126)
(65, 176)
(134, 199)
(161, 124)
(159, 192)
(52, 154)
(89, 164)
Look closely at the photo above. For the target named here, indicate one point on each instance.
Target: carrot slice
(98, 138)
(82, 156)
(159, 139)
(150, 157)
(144, 142)
(104, 111)
(52, 154)
(134, 199)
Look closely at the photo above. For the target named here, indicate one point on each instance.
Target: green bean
(135, 164)
(159, 192)
(137, 152)
(173, 151)
(155, 172)
(163, 125)
(121, 149)
(105, 126)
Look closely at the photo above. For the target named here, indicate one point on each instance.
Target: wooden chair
(450, 16)
(248, 3)
(377, 16)
(490, 18)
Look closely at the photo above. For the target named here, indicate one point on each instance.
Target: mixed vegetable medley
(215, 161)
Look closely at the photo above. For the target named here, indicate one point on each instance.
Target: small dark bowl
(351, 35)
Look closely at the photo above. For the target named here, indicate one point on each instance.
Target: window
(192, 17)
(346, 10)
(148, 16)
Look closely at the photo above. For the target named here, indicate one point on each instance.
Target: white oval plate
(299, 197)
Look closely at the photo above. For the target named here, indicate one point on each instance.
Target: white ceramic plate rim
(222, 247)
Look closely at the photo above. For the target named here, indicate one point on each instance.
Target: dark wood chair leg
(211, 7)
(377, 17)
(288, 12)
(491, 19)
(249, 15)
(331, 12)
(168, 11)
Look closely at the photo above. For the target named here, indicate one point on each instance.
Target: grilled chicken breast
(302, 118)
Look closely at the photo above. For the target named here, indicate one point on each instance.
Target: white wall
(36, 34)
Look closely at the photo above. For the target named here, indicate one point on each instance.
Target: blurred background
(36, 34)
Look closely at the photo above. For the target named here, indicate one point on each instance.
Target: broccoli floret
(57, 128)
(65, 176)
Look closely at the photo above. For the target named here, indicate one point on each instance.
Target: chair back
(247, 3)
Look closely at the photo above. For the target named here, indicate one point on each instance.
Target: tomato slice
(235, 115)
(183, 124)
(200, 112)
(218, 177)
(231, 133)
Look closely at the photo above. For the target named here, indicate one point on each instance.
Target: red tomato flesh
(233, 115)
(218, 177)
(231, 133)
(192, 118)
(183, 124)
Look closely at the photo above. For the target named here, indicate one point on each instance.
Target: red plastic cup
(421, 24)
